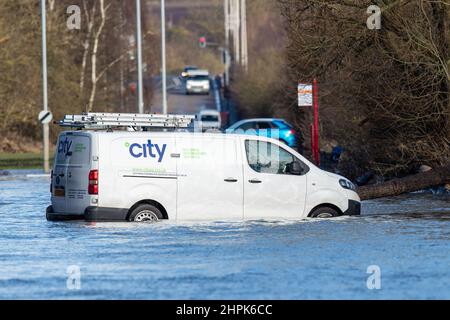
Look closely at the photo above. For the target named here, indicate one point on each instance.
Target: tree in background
(186, 22)
(108, 59)
(257, 91)
(89, 69)
(384, 94)
(20, 69)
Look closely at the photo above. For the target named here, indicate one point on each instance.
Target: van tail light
(93, 182)
(51, 181)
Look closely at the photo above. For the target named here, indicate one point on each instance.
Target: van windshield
(210, 118)
(199, 78)
(73, 150)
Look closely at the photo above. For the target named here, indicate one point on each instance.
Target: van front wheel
(145, 213)
(324, 212)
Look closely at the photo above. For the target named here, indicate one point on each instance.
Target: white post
(244, 39)
(163, 56)
(237, 38)
(139, 57)
(226, 7)
(46, 131)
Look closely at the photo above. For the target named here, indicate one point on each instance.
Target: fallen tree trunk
(436, 177)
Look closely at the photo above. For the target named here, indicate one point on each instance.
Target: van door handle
(255, 181)
(231, 180)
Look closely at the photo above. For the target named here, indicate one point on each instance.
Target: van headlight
(347, 184)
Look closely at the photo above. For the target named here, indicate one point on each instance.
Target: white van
(209, 120)
(148, 176)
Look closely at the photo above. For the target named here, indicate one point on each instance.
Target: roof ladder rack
(98, 121)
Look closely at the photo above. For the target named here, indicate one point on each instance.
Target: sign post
(316, 124)
(308, 97)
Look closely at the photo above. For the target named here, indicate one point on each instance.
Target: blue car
(268, 127)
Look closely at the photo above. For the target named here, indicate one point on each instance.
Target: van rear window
(73, 150)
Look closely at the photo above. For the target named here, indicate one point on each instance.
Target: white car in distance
(209, 120)
(197, 81)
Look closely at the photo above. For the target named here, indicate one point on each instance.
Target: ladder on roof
(100, 121)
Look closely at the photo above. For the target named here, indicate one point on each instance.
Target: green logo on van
(79, 147)
(127, 144)
(193, 153)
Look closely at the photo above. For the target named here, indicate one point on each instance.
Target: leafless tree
(89, 15)
(384, 94)
(98, 33)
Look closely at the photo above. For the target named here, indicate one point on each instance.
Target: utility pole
(139, 55)
(235, 17)
(163, 56)
(121, 74)
(226, 7)
(226, 50)
(244, 44)
(46, 130)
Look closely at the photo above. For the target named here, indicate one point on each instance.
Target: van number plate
(59, 193)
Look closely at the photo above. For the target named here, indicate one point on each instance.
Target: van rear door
(59, 176)
(71, 173)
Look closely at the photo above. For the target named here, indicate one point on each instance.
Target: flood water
(406, 237)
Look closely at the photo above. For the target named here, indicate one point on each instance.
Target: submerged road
(405, 237)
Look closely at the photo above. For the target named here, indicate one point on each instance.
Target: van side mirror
(295, 168)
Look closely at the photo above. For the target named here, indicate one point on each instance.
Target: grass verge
(20, 160)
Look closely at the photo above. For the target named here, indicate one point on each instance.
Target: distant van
(150, 176)
(209, 120)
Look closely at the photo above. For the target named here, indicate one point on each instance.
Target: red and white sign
(305, 95)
